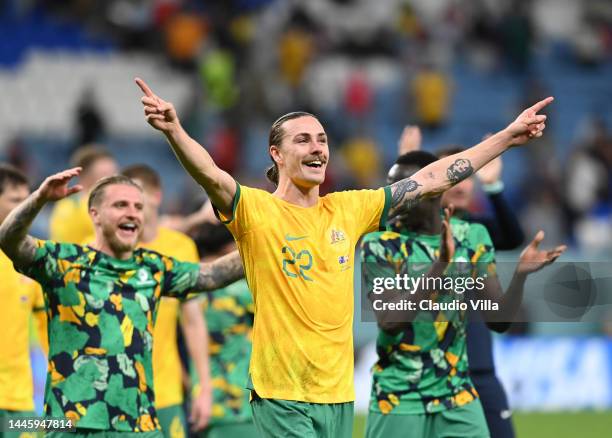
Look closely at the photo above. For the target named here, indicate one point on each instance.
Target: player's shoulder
(252, 192)
(350, 195)
(462, 228)
(381, 241)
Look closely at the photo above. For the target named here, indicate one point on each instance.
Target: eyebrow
(306, 134)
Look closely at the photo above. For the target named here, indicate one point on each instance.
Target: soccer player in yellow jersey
(167, 372)
(21, 298)
(297, 249)
(70, 221)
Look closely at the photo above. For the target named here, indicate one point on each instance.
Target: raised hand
(410, 140)
(490, 173)
(447, 243)
(159, 114)
(55, 187)
(533, 259)
(529, 124)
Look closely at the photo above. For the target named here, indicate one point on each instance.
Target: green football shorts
(467, 421)
(293, 419)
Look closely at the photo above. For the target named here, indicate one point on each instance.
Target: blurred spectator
(589, 188)
(517, 35)
(89, 121)
(431, 92)
(362, 158)
(295, 50)
(359, 95)
(217, 72)
(184, 37)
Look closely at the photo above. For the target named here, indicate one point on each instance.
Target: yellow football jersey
(299, 265)
(70, 221)
(167, 374)
(20, 297)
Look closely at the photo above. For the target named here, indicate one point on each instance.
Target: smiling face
(303, 153)
(118, 217)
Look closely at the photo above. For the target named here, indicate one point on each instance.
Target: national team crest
(337, 236)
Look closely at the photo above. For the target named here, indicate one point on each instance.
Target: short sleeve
(482, 251)
(46, 264)
(179, 278)
(371, 208)
(245, 210)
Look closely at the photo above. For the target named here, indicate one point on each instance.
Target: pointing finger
(144, 87)
(541, 104)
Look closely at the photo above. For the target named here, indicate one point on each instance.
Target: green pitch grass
(545, 425)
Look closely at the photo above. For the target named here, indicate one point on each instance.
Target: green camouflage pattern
(424, 369)
(229, 314)
(101, 313)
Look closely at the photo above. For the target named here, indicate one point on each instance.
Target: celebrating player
(102, 301)
(506, 233)
(421, 381)
(297, 249)
(167, 372)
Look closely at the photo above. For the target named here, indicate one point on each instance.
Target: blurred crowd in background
(459, 69)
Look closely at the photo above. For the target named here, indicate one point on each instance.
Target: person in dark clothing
(506, 233)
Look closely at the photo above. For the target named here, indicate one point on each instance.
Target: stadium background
(457, 68)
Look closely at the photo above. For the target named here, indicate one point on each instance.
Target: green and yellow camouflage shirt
(101, 313)
(424, 369)
(229, 318)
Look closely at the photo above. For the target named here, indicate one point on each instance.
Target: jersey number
(300, 263)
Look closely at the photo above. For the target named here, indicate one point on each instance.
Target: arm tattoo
(459, 170)
(223, 271)
(14, 238)
(405, 194)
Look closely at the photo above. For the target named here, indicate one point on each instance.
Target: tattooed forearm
(404, 195)
(14, 239)
(399, 190)
(223, 271)
(459, 170)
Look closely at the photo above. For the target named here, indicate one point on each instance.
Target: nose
(134, 212)
(316, 148)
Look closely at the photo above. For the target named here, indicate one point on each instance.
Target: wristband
(493, 188)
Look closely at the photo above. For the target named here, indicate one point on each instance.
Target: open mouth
(314, 164)
(129, 227)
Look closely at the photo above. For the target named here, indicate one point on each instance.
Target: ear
(94, 215)
(158, 196)
(276, 154)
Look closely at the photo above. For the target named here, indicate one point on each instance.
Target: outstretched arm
(223, 271)
(531, 260)
(439, 176)
(14, 238)
(161, 115)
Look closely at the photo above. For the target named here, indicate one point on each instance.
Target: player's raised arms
(439, 176)
(161, 115)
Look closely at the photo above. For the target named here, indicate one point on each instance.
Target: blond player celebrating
(297, 250)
